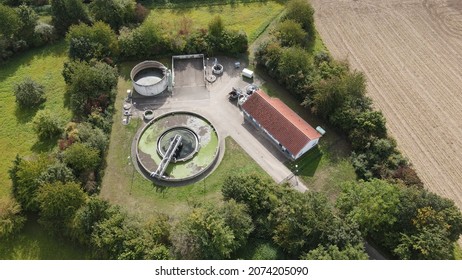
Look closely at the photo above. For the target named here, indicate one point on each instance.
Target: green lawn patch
(43, 65)
(253, 18)
(33, 243)
(457, 252)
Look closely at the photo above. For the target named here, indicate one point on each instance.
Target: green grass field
(253, 18)
(43, 65)
(33, 243)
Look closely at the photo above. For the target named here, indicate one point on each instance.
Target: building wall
(308, 147)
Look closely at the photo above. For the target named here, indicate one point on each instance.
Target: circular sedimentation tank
(149, 78)
(199, 146)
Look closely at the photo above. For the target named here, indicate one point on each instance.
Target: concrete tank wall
(151, 89)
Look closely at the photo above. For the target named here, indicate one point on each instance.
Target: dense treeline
(409, 222)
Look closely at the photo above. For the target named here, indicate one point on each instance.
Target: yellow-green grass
(33, 243)
(457, 252)
(123, 185)
(326, 166)
(43, 65)
(253, 18)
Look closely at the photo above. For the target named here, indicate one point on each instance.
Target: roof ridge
(275, 98)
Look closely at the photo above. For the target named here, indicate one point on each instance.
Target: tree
(29, 93)
(94, 211)
(260, 196)
(29, 19)
(116, 13)
(212, 232)
(58, 203)
(332, 252)
(92, 42)
(47, 125)
(10, 23)
(24, 175)
(11, 220)
(56, 172)
(93, 137)
(216, 26)
(290, 33)
(65, 13)
(295, 69)
(302, 12)
(302, 222)
(117, 238)
(80, 157)
(90, 86)
(373, 205)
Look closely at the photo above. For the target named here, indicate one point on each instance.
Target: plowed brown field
(411, 53)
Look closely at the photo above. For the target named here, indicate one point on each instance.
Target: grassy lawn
(35, 244)
(43, 65)
(325, 167)
(457, 252)
(124, 186)
(253, 18)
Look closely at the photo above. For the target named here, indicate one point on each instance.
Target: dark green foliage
(57, 172)
(302, 12)
(92, 42)
(216, 27)
(47, 125)
(29, 93)
(58, 203)
(372, 205)
(11, 220)
(260, 196)
(66, 13)
(116, 238)
(332, 252)
(10, 23)
(90, 86)
(81, 157)
(24, 175)
(93, 137)
(380, 159)
(94, 211)
(212, 232)
(28, 19)
(301, 222)
(290, 33)
(116, 13)
(409, 222)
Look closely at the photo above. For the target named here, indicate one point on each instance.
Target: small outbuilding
(287, 130)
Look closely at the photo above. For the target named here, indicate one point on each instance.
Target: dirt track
(411, 53)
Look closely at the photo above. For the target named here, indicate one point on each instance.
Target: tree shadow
(25, 115)
(44, 146)
(9, 68)
(308, 164)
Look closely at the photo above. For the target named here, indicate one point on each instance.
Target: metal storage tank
(149, 78)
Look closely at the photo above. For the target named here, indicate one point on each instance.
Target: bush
(65, 13)
(11, 220)
(81, 157)
(47, 125)
(290, 33)
(90, 86)
(302, 12)
(92, 42)
(116, 13)
(28, 19)
(93, 136)
(43, 34)
(29, 93)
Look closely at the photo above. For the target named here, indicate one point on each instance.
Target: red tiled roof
(280, 121)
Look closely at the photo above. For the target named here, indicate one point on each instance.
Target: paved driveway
(229, 121)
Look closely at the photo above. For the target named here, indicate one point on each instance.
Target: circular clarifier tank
(149, 78)
(196, 155)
